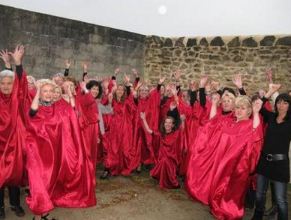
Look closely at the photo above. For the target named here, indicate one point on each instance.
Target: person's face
(169, 125)
(47, 93)
(57, 94)
(242, 112)
(68, 85)
(227, 104)
(119, 91)
(6, 85)
(94, 91)
(143, 92)
(58, 80)
(282, 107)
(185, 96)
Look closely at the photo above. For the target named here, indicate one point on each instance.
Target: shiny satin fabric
(12, 137)
(205, 152)
(233, 173)
(141, 141)
(60, 175)
(118, 140)
(191, 124)
(87, 113)
(166, 166)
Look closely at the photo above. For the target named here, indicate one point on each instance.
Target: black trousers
(14, 196)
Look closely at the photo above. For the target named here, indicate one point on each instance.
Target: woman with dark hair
(167, 140)
(96, 90)
(274, 161)
(118, 139)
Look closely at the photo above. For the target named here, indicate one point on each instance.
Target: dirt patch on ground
(137, 197)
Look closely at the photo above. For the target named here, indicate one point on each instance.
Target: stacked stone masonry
(220, 58)
(49, 40)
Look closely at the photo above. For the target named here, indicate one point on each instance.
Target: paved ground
(134, 198)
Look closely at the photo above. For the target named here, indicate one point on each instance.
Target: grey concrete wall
(49, 40)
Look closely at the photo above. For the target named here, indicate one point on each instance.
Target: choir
(217, 141)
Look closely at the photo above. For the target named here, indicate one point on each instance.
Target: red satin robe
(232, 177)
(60, 175)
(87, 112)
(145, 153)
(195, 117)
(166, 167)
(12, 137)
(203, 155)
(118, 140)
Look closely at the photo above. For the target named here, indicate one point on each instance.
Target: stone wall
(220, 58)
(50, 40)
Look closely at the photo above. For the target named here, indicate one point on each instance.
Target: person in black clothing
(273, 165)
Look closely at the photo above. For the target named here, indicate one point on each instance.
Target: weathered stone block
(268, 41)
(217, 41)
(204, 42)
(235, 42)
(284, 41)
(249, 42)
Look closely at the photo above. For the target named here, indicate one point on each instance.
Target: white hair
(43, 82)
(7, 73)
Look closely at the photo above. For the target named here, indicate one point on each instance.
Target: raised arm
(17, 56)
(257, 105)
(67, 67)
(35, 102)
(272, 89)
(214, 104)
(145, 123)
(202, 95)
(237, 81)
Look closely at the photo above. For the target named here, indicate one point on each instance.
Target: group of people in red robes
(54, 132)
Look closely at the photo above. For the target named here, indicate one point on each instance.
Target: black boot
(257, 215)
(2, 213)
(271, 211)
(18, 210)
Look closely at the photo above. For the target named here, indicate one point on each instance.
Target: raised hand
(162, 80)
(272, 89)
(134, 72)
(177, 74)
(126, 79)
(215, 85)
(203, 81)
(269, 75)
(4, 55)
(193, 85)
(17, 55)
(257, 105)
(85, 67)
(237, 81)
(67, 64)
(116, 71)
